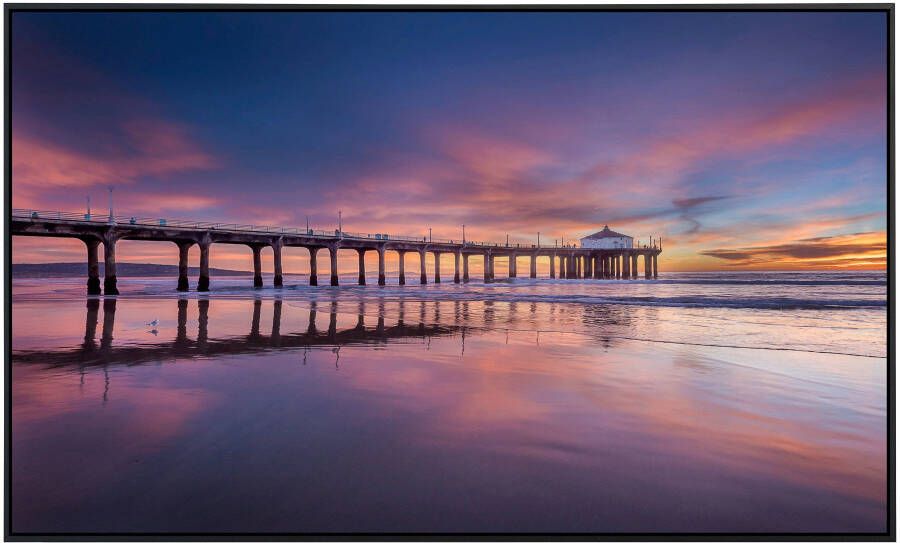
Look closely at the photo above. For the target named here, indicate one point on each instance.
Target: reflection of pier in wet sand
(411, 321)
(183, 346)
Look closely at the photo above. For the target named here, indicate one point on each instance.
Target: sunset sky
(745, 140)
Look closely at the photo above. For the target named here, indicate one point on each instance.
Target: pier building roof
(606, 233)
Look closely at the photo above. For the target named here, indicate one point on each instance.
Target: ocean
(698, 402)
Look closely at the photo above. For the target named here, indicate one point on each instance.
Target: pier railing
(66, 216)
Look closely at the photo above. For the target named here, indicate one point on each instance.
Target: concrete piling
(93, 282)
(381, 277)
(109, 266)
(456, 255)
(465, 267)
(423, 276)
(333, 254)
(203, 282)
(276, 252)
(402, 255)
(362, 266)
(183, 249)
(437, 267)
(257, 266)
(313, 267)
(532, 271)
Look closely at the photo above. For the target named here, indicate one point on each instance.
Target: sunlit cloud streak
(553, 134)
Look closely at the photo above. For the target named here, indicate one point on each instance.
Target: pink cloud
(159, 148)
(821, 117)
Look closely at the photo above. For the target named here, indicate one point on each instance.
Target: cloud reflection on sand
(298, 403)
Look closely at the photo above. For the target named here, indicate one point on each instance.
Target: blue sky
(743, 139)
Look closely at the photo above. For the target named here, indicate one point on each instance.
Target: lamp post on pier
(112, 217)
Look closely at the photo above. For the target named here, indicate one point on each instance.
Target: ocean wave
(481, 294)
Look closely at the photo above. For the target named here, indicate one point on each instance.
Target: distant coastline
(123, 269)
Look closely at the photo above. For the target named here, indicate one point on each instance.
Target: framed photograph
(401, 272)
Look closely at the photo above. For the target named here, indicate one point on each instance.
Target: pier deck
(573, 262)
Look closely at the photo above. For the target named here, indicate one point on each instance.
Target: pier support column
(532, 268)
(626, 269)
(203, 282)
(488, 267)
(456, 255)
(646, 266)
(183, 249)
(618, 266)
(257, 266)
(437, 267)
(276, 252)
(598, 269)
(332, 254)
(423, 276)
(654, 266)
(578, 271)
(513, 270)
(570, 269)
(552, 266)
(109, 266)
(381, 277)
(362, 266)
(402, 255)
(93, 282)
(313, 267)
(465, 267)
(588, 266)
(562, 267)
